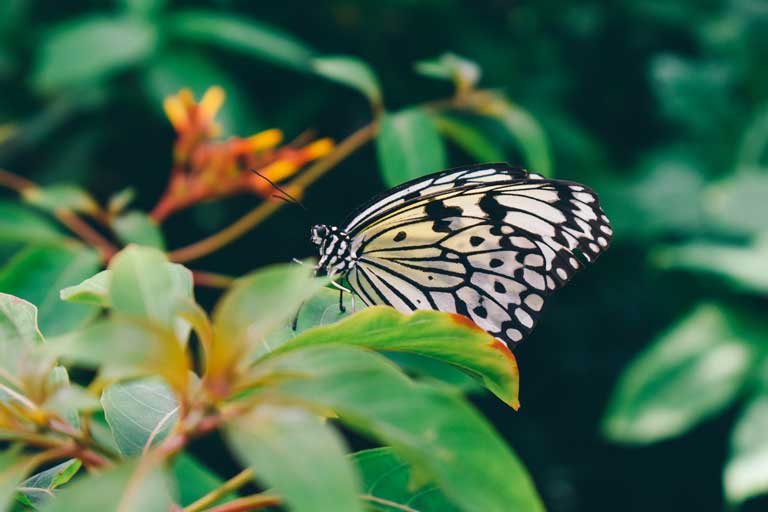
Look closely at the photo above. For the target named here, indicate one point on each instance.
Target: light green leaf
(260, 303)
(19, 336)
(175, 69)
(298, 455)
(140, 413)
(56, 197)
(38, 489)
(688, 374)
(14, 466)
(194, 480)
(449, 66)
(408, 146)
(241, 34)
(138, 228)
(118, 201)
(744, 267)
(388, 485)
(469, 138)
(738, 204)
(22, 224)
(143, 7)
(437, 432)
(39, 272)
(352, 72)
(132, 486)
(88, 49)
(144, 285)
(443, 336)
(525, 131)
(746, 472)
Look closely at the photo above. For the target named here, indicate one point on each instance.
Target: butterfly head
(335, 249)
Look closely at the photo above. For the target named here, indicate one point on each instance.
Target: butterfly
(488, 241)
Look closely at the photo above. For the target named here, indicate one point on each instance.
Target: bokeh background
(659, 106)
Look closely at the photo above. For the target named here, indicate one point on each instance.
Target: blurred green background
(645, 386)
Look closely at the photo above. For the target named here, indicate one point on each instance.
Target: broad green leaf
(140, 413)
(37, 489)
(143, 7)
(744, 267)
(14, 466)
(57, 197)
(754, 142)
(241, 34)
(297, 454)
(450, 338)
(388, 486)
(39, 272)
(175, 69)
(469, 138)
(436, 372)
(689, 373)
(122, 349)
(19, 337)
(68, 399)
(194, 480)
(738, 204)
(746, 472)
(408, 146)
(260, 303)
(22, 224)
(132, 486)
(352, 72)
(437, 432)
(525, 131)
(138, 228)
(88, 49)
(143, 285)
(449, 66)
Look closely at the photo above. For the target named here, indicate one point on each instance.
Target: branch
(255, 502)
(211, 279)
(215, 495)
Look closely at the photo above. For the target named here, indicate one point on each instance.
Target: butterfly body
(487, 241)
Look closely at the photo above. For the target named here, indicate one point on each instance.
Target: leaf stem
(211, 279)
(268, 207)
(254, 502)
(215, 495)
(14, 181)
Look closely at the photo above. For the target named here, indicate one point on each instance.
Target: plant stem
(267, 208)
(255, 502)
(14, 181)
(215, 495)
(211, 280)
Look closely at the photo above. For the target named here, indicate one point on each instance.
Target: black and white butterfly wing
(488, 242)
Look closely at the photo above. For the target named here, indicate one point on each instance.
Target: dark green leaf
(21, 224)
(38, 488)
(194, 480)
(352, 72)
(388, 486)
(689, 373)
(143, 7)
(441, 436)
(738, 203)
(299, 455)
(90, 49)
(470, 139)
(140, 413)
(241, 34)
(39, 272)
(138, 228)
(408, 146)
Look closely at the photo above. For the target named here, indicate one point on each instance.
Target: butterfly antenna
(283, 194)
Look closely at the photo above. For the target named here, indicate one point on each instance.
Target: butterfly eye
(319, 233)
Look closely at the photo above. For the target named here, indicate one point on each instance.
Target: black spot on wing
(436, 210)
(400, 236)
(476, 240)
(491, 207)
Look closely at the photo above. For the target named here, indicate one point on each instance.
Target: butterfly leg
(342, 289)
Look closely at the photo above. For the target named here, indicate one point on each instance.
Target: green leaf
(260, 303)
(408, 146)
(144, 285)
(143, 7)
(118, 202)
(738, 204)
(352, 72)
(387, 483)
(134, 485)
(746, 471)
(449, 338)
(525, 130)
(138, 228)
(174, 70)
(469, 138)
(688, 374)
(140, 413)
(19, 337)
(39, 272)
(299, 455)
(21, 224)
(240, 34)
(56, 197)
(449, 66)
(14, 466)
(194, 480)
(744, 267)
(68, 399)
(88, 49)
(437, 432)
(38, 489)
